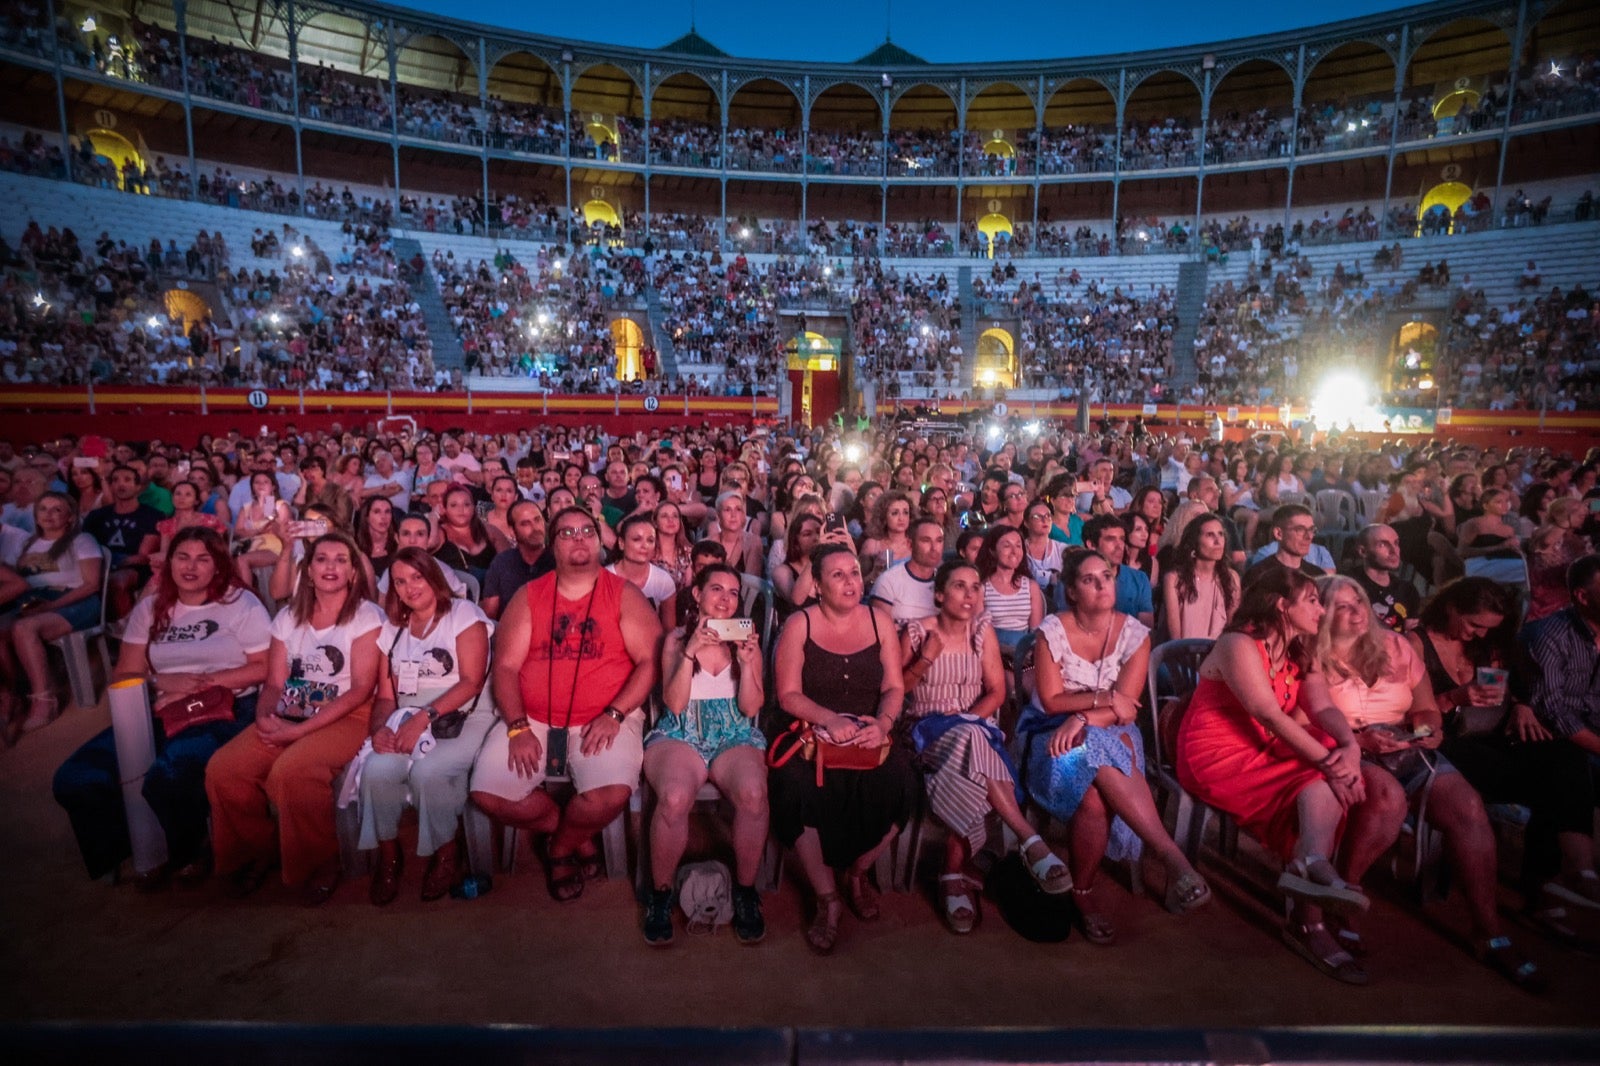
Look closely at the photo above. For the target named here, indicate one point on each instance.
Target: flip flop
(563, 887)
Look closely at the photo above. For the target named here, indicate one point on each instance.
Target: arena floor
(80, 950)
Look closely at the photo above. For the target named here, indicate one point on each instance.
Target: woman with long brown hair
(466, 546)
(199, 629)
(1200, 591)
(310, 722)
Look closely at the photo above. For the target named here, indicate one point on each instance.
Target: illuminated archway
(185, 306)
(601, 130)
(598, 212)
(628, 340)
(1454, 102)
(1001, 147)
(992, 226)
(116, 148)
(1412, 352)
(1447, 194)
(996, 364)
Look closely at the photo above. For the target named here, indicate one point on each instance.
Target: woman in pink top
(1380, 685)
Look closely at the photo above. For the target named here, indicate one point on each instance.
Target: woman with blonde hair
(1379, 683)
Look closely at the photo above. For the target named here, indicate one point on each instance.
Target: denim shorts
(1414, 767)
(79, 615)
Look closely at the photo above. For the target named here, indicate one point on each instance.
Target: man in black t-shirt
(519, 564)
(1395, 603)
(127, 529)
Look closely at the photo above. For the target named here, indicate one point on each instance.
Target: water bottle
(471, 887)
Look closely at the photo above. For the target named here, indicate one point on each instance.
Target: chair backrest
(105, 584)
(1022, 665)
(1174, 672)
(471, 583)
(1336, 510)
(755, 603)
(1370, 505)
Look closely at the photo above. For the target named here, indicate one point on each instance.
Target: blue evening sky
(940, 31)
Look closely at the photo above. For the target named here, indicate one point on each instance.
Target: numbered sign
(1445, 414)
(1148, 410)
(1000, 409)
(1233, 414)
(651, 403)
(258, 399)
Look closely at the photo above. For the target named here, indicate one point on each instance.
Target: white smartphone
(731, 630)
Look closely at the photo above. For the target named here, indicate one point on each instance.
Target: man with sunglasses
(574, 661)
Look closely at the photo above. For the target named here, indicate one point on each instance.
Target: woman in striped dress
(1010, 595)
(955, 683)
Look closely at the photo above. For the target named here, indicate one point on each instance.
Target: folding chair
(1174, 673)
(74, 647)
(472, 589)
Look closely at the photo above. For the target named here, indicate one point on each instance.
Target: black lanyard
(550, 670)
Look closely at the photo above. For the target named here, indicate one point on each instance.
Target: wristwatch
(614, 714)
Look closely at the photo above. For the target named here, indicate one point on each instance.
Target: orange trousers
(248, 780)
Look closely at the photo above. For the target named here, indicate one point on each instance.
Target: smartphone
(1492, 676)
(730, 629)
(834, 522)
(183, 468)
(1082, 487)
(309, 529)
(1594, 505)
(85, 462)
(674, 481)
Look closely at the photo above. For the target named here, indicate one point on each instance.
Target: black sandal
(564, 887)
(1338, 964)
(1504, 958)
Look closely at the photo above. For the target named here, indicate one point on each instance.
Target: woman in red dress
(1262, 741)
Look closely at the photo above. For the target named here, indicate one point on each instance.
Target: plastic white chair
(74, 647)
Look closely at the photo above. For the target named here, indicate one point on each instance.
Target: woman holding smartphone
(255, 542)
(711, 691)
(1499, 745)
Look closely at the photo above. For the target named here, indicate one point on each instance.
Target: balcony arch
(627, 339)
(996, 363)
(1080, 129)
(995, 227)
(1000, 123)
(433, 62)
(764, 125)
(923, 137)
(846, 132)
(1160, 118)
(1251, 114)
(685, 122)
(1468, 47)
(609, 108)
(1562, 34)
(344, 43)
(1354, 71)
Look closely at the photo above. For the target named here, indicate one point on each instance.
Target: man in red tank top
(574, 662)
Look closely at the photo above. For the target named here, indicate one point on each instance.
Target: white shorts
(617, 765)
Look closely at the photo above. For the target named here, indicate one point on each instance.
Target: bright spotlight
(298, 252)
(274, 318)
(1351, 128)
(853, 452)
(995, 432)
(38, 299)
(88, 25)
(153, 322)
(1343, 400)
(744, 233)
(926, 331)
(1032, 429)
(1426, 384)
(544, 317)
(1555, 69)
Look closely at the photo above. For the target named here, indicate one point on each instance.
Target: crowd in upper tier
(975, 615)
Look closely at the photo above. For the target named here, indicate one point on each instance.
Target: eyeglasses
(575, 533)
(1307, 530)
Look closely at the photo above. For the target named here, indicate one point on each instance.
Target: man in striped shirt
(1564, 654)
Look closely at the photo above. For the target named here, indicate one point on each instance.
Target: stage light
(827, 272)
(544, 318)
(38, 300)
(298, 252)
(274, 318)
(1426, 384)
(1032, 429)
(153, 322)
(89, 25)
(744, 233)
(853, 452)
(1555, 69)
(1342, 400)
(995, 433)
(1351, 128)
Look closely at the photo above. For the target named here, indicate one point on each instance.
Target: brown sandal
(564, 887)
(861, 895)
(823, 933)
(386, 879)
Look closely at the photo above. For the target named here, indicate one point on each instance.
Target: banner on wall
(1407, 419)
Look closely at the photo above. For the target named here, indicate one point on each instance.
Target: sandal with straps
(1503, 957)
(1313, 880)
(52, 709)
(1095, 927)
(823, 933)
(861, 896)
(960, 897)
(563, 877)
(1048, 871)
(1338, 964)
(1186, 892)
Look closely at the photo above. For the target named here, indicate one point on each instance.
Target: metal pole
(394, 109)
(293, 30)
(1394, 123)
(61, 91)
(181, 9)
(483, 102)
(1517, 45)
(1200, 175)
(1294, 131)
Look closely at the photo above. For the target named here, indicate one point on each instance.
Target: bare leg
(1004, 801)
(1456, 810)
(1128, 797)
(535, 812)
(1319, 812)
(741, 775)
(1373, 824)
(1090, 829)
(675, 772)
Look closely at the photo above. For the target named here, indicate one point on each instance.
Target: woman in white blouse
(428, 721)
(310, 721)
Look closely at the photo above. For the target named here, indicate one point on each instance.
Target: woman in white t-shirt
(428, 721)
(310, 722)
(197, 630)
(62, 568)
(636, 536)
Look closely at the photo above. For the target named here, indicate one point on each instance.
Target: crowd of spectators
(722, 313)
(907, 327)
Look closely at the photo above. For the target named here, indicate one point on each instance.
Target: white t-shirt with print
(35, 564)
(319, 659)
(658, 587)
(434, 655)
(204, 639)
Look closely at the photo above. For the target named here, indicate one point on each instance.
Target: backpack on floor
(705, 892)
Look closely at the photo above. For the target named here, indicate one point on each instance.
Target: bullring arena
(270, 230)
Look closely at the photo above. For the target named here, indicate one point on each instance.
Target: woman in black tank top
(852, 695)
(1517, 761)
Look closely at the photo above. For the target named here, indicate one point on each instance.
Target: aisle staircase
(969, 326)
(660, 337)
(1191, 302)
(447, 351)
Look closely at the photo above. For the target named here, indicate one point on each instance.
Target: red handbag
(214, 703)
(801, 739)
